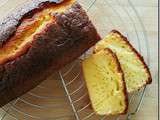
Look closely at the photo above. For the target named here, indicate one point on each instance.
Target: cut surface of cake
(135, 69)
(105, 82)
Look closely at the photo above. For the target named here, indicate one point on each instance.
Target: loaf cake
(38, 39)
(105, 82)
(135, 69)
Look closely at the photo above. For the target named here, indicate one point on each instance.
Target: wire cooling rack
(63, 96)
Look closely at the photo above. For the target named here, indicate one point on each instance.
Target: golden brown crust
(57, 45)
(149, 81)
(10, 23)
(18, 43)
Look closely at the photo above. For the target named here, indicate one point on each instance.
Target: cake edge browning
(149, 81)
(59, 45)
(123, 79)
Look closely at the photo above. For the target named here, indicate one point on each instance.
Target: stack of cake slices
(111, 72)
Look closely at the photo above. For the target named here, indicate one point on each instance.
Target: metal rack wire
(72, 102)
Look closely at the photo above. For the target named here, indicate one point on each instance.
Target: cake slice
(135, 69)
(105, 82)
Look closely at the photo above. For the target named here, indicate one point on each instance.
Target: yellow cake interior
(104, 83)
(135, 73)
